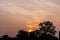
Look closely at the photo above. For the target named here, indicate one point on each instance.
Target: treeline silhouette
(46, 32)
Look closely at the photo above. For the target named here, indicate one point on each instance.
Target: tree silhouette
(47, 27)
(22, 35)
(37, 33)
(5, 36)
(45, 32)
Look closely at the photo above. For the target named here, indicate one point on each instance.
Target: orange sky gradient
(27, 14)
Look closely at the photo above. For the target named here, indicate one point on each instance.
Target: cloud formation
(16, 14)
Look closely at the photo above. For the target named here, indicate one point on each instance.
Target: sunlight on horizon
(30, 30)
(31, 27)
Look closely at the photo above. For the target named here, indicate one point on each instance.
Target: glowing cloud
(16, 14)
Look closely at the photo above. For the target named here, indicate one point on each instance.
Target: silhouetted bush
(45, 32)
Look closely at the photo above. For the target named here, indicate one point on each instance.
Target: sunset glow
(30, 30)
(31, 27)
(26, 15)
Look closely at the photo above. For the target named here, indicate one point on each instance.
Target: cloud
(56, 2)
(15, 13)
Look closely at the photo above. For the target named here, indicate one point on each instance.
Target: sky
(18, 15)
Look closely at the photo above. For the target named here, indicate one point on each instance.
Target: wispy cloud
(20, 12)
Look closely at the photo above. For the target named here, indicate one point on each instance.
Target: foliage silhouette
(22, 35)
(45, 32)
(5, 36)
(47, 27)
